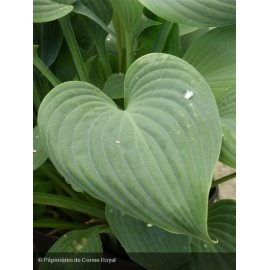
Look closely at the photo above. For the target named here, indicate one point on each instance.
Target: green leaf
(148, 245)
(65, 68)
(56, 223)
(195, 13)
(97, 26)
(84, 8)
(69, 203)
(46, 11)
(130, 13)
(227, 111)
(213, 55)
(129, 22)
(38, 210)
(189, 38)
(49, 37)
(41, 182)
(83, 35)
(222, 226)
(71, 245)
(114, 86)
(39, 153)
(43, 68)
(172, 44)
(145, 160)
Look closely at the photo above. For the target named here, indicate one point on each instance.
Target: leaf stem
(223, 179)
(44, 69)
(74, 48)
(162, 36)
(55, 223)
(103, 57)
(69, 203)
(129, 50)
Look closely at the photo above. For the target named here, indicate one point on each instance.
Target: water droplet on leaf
(34, 150)
(188, 94)
(117, 141)
(149, 225)
(205, 245)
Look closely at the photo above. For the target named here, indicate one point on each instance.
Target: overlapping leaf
(227, 111)
(213, 55)
(71, 245)
(145, 160)
(148, 245)
(197, 13)
(39, 153)
(222, 226)
(46, 10)
(49, 38)
(114, 86)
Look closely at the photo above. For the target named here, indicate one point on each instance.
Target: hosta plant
(134, 105)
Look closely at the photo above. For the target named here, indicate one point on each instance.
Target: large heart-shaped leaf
(155, 159)
(196, 12)
(146, 244)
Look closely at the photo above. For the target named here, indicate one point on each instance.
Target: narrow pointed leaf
(145, 160)
(69, 203)
(146, 244)
(222, 226)
(39, 153)
(71, 245)
(46, 11)
(195, 13)
(213, 55)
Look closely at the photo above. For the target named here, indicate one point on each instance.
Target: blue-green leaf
(114, 86)
(39, 153)
(197, 13)
(46, 11)
(222, 226)
(144, 160)
(71, 245)
(146, 244)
